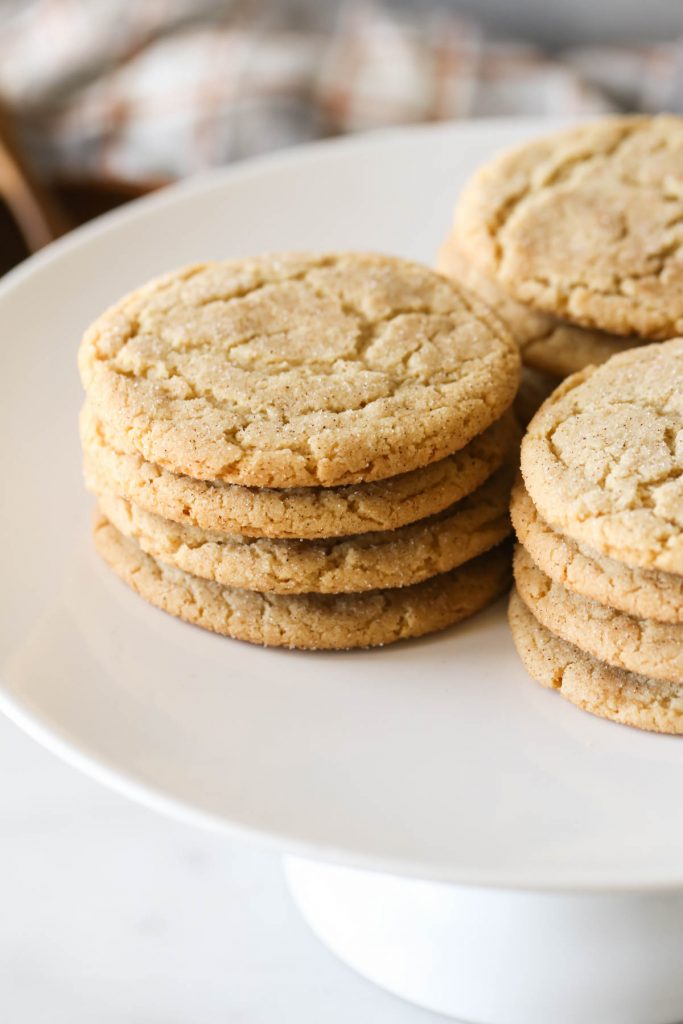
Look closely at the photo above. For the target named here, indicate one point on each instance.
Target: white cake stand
(456, 833)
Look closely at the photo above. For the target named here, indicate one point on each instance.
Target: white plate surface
(438, 758)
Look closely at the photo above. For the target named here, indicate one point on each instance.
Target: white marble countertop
(111, 913)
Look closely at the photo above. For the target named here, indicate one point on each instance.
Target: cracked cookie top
(547, 343)
(602, 459)
(587, 224)
(298, 370)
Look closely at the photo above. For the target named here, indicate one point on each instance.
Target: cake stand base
(502, 957)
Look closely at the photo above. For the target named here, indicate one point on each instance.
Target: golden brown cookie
(298, 370)
(552, 346)
(586, 224)
(602, 459)
(644, 593)
(637, 645)
(598, 688)
(308, 621)
(370, 561)
(304, 512)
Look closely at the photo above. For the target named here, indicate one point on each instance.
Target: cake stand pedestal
(496, 956)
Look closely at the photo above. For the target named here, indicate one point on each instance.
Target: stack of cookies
(598, 608)
(574, 239)
(303, 451)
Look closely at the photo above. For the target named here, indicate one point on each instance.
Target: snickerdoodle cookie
(298, 370)
(591, 684)
(308, 621)
(369, 561)
(602, 460)
(644, 593)
(547, 344)
(643, 646)
(586, 224)
(298, 512)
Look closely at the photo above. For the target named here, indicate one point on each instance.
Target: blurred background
(103, 100)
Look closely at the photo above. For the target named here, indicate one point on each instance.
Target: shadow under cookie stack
(577, 241)
(303, 451)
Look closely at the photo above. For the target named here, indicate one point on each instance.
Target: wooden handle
(37, 213)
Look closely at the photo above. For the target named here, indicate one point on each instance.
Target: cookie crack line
(531, 189)
(338, 395)
(620, 285)
(586, 225)
(603, 460)
(313, 369)
(397, 385)
(138, 324)
(368, 330)
(546, 342)
(249, 290)
(162, 285)
(643, 497)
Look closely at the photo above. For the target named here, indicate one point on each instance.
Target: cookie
(552, 346)
(595, 687)
(644, 593)
(308, 621)
(602, 459)
(371, 561)
(637, 645)
(586, 224)
(308, 513)
(298, 370)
